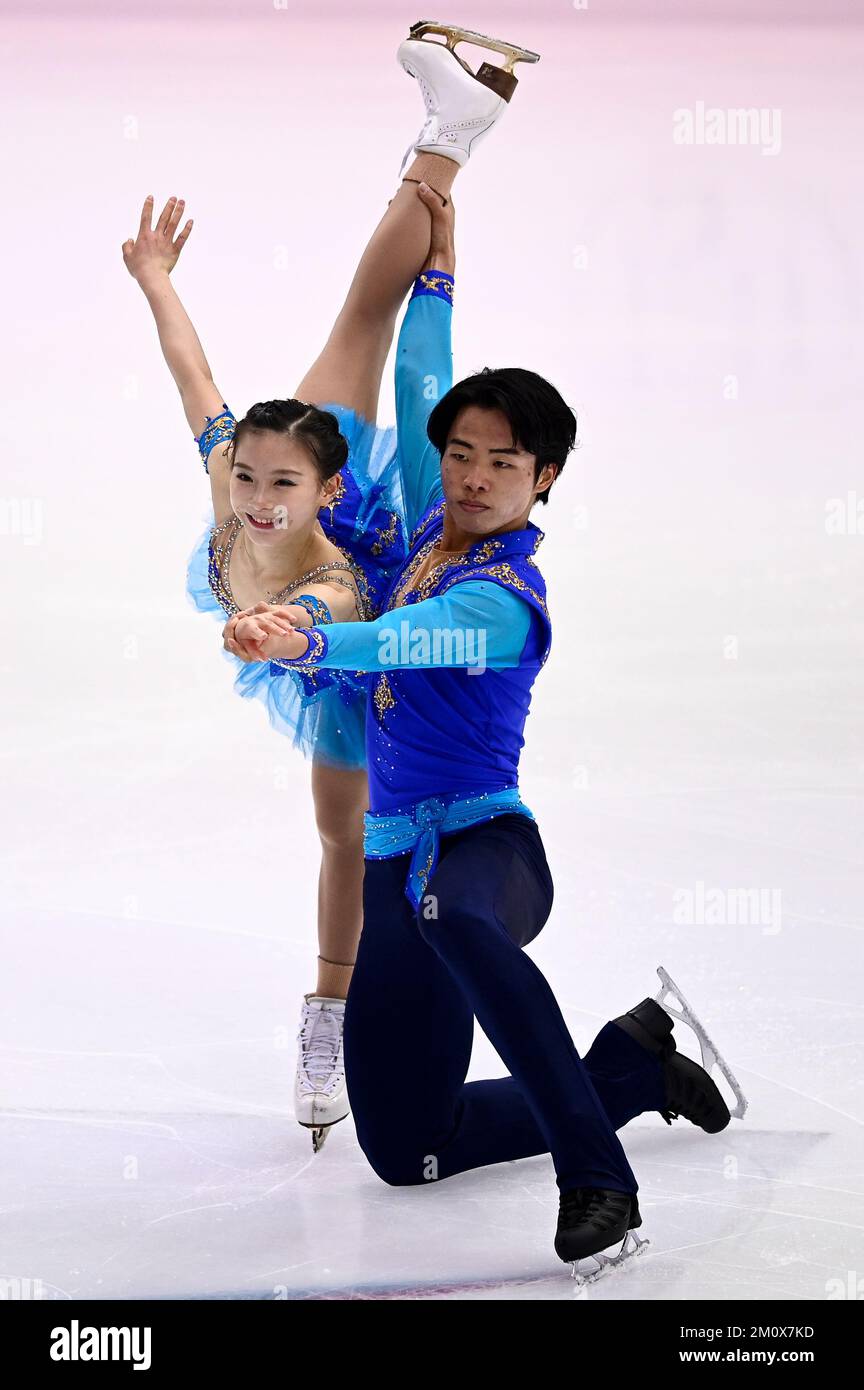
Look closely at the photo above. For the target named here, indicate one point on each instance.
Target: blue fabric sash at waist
(418, 829)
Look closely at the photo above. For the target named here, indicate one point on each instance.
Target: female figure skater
(307, 505)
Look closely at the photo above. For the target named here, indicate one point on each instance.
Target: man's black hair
(541, 420)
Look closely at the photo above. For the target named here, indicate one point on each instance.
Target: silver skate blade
(710, 1054)
(320, 1132)
(319, 1135)
(633, 1245)
(454, 34)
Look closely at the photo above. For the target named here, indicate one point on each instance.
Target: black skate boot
(690, 1091)
(591, 1219)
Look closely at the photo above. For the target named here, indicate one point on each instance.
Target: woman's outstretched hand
(442, 248)
(156, 249)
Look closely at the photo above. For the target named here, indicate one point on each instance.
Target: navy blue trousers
(422, 978)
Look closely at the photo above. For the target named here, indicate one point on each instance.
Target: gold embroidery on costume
(316, 642)
(310, 673)
(506, 573)
(439, 511)
(423, 875)
(220, 557)
(364, 605)
(487, 551)
(442, 577)
(220, 584)
(441, 572)
(411, 570)
(335, 499)
(386, 535)
(436, 282)
(383, 698)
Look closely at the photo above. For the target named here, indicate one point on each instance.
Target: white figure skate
(461, 105)
(320, 1095)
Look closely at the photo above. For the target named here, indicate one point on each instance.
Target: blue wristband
(438, 283)
(216, 429)
(316, 608)
(316, 649)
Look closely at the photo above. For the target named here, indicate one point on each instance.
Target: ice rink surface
(695, 740)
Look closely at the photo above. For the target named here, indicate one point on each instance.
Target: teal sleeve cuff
(314, 653)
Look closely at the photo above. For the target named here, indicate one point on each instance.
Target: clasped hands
(264, 632)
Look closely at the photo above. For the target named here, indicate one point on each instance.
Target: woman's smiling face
(275, 485)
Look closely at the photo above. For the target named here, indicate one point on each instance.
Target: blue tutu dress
(324, 712)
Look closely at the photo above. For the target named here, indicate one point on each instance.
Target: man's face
(488, 480)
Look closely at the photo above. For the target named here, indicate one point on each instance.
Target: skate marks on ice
(232, 1206)
(765, 1233)
(758, 1213)
(127, 1206)
(167, 1163)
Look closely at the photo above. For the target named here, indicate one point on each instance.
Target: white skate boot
(461, 105)
(320, 1095)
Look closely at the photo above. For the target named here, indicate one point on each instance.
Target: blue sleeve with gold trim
(477, 623)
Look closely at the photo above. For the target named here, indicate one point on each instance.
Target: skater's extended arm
(476, 623)
(424, 363)
(150, 258)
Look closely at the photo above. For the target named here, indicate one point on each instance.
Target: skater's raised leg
(462, 106)
(351, 364)
(348, 371)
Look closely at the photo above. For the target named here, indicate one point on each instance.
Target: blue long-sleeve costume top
(410, 641)
(451, 673)
(443, 740)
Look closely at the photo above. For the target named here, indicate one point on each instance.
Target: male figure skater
(456, 878)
